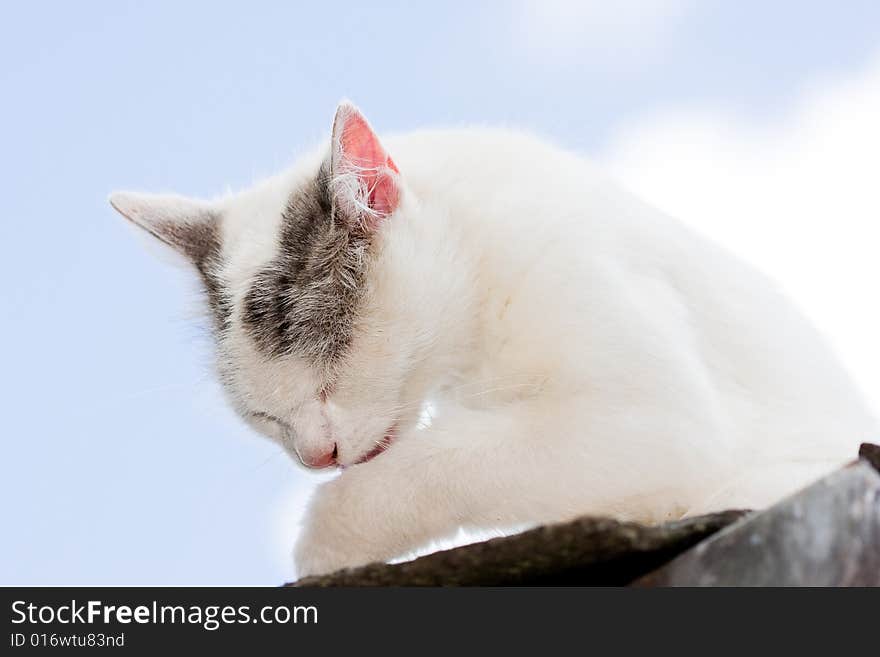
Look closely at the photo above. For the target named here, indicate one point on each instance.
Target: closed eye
(266, 416)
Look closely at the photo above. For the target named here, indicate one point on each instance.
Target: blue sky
(120, 463)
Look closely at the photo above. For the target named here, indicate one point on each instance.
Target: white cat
(583, 353)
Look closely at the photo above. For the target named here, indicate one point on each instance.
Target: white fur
(584, 353)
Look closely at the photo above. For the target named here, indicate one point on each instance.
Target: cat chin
(381, 446)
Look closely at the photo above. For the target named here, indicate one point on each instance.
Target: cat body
(582, 353)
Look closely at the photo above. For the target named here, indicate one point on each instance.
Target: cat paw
(336, 534)
(311, 559)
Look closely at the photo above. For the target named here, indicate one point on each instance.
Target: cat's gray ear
(189, 226)
(364, 181)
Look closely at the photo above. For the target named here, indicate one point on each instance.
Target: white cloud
(615, 34)
(799, 198)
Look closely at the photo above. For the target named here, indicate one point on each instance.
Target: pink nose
(318, 458)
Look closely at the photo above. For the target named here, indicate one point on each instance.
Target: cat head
(316, 295)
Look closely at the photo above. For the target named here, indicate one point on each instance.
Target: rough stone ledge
(587, 551)
(826, 535)
(871, 454)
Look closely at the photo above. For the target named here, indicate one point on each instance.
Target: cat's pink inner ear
(361, 153)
